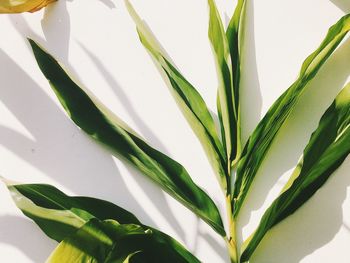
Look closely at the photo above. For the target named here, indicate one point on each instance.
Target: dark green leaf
(260, 141)
(60, 216)
(104, 128)
(188, 99)
(328, 147)
(234, 36)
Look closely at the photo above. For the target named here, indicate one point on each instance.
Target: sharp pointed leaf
(234, 34)
(188, 99)
(104, 128)
(260, 141)
(226, 94)
(328, 147)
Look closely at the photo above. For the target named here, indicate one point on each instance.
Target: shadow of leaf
(59, 149)
(27, 237)
(312, 226)
(283, 154)
(251, 98)
(344, 5)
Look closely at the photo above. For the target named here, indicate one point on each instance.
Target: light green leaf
(60, 216)
(328, 147)
(188, 99)
(108, 241)
(226, 96)
(260, 141)
(108, 130)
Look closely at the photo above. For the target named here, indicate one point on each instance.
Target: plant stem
(231, 240)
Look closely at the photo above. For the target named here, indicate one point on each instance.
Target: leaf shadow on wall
(59, 149)
(27, 237)
(317, 223)
(344, 5)
(250, 94)
(311, 227)
(347, 227)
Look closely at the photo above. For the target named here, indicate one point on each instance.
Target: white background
(97, 42)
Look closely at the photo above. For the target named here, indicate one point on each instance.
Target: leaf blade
(261, 139)
(187, 98)
(221, 50)
(95, 120)
(328, 147)
(234, 37)
(60, 216)
(109, 241)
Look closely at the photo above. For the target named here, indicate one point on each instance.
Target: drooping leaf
(260, 141)
(226, 96)
(104, 128)
(60, 216)
(188, 99)
(20, 6)
(328, 147)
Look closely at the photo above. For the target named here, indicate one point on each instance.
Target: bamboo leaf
(226, 96)
(62, 217)
(188, 99)
(328, 147)
(260, 141)
(108, 130)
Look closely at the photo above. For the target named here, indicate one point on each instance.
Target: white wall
(97, 42)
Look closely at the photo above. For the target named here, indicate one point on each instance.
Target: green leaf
(108, 130)
(226, 94)
(108, 241)
(188, 99)
(328, 147)
(260, 141)
(60, 216)
(234, 37)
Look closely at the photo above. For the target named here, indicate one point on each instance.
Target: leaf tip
(7, 182)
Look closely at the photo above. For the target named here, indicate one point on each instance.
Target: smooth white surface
(97, 42)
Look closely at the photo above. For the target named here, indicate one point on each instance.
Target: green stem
(231, 240)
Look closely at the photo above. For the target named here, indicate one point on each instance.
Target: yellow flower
(20, 6)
